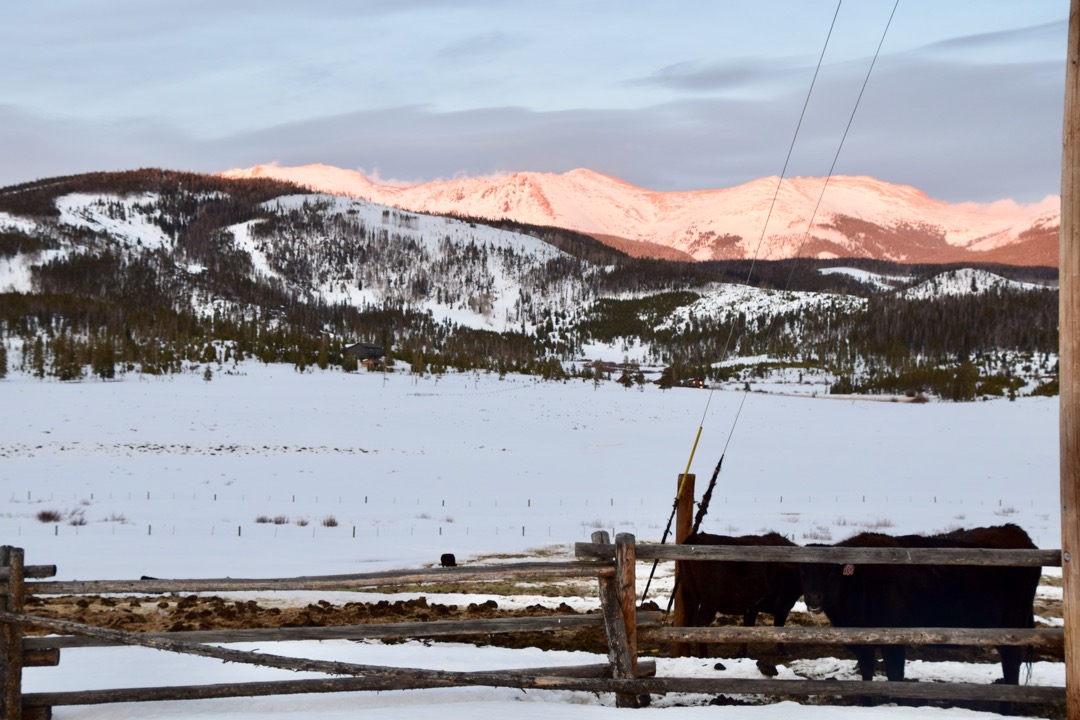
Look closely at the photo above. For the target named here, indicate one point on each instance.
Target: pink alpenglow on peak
(858, 216)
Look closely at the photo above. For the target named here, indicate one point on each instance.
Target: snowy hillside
(876, 280)
(361, 254)
(855, 216)
(965, 281)
(128, 220)
(344, 250)
(725, 301)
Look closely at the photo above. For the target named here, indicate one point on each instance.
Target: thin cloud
(480, 47)
(739, 73)
(1001, 38)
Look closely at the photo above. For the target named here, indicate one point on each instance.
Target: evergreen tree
(37, 359)
(103, 358)
(324, 352)
(964, 382)
(65, 355)
(417, 365)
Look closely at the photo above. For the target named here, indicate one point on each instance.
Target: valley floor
(239, 476)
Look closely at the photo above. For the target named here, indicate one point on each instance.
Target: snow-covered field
(170, 477)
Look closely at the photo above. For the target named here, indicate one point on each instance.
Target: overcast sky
(964, 103)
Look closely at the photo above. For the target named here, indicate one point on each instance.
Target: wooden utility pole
(1069, 368)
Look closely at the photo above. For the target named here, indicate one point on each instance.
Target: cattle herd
(879, 596)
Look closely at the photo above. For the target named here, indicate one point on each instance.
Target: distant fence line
(1008, 505)
(337, 514)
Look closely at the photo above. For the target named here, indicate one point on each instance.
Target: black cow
(735, 587)
(856, 595)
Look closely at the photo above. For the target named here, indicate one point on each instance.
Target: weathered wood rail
(612, 564)
(780, 553)
(426, 629)
(153, 586)
(18, 651)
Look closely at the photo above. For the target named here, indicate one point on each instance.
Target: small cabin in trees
(365, 351)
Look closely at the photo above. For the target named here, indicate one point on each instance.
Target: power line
(798, 252)
(821, 195)
(779, 182)
(731, 333)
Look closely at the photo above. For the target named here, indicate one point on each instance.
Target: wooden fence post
(684, 518)
(1069, 371)
(621, 644)
(626, 586)
(11, 634)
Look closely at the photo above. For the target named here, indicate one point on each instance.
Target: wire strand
(779, 183)
(817, 206)
(821, 195)
(798, 251)
(731, 332)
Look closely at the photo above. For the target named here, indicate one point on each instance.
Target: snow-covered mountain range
(844, 216)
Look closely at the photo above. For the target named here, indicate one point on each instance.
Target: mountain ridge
(841, 216)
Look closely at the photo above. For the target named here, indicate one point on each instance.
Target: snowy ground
(170, 477)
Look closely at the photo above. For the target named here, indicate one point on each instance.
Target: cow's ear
(849, 569)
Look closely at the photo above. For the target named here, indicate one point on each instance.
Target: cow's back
(998, 596)
(734, 587)
(872, 595)
(898, 595)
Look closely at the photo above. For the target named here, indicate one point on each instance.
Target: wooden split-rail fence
(613, 564)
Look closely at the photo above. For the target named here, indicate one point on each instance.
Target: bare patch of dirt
(173, 613)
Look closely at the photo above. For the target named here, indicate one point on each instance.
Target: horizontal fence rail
(646, 668)
(838, 555)
(430, 628)
(976, 637)
(392, 677)
(559, 680)
(30, 571)
(155, 586)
